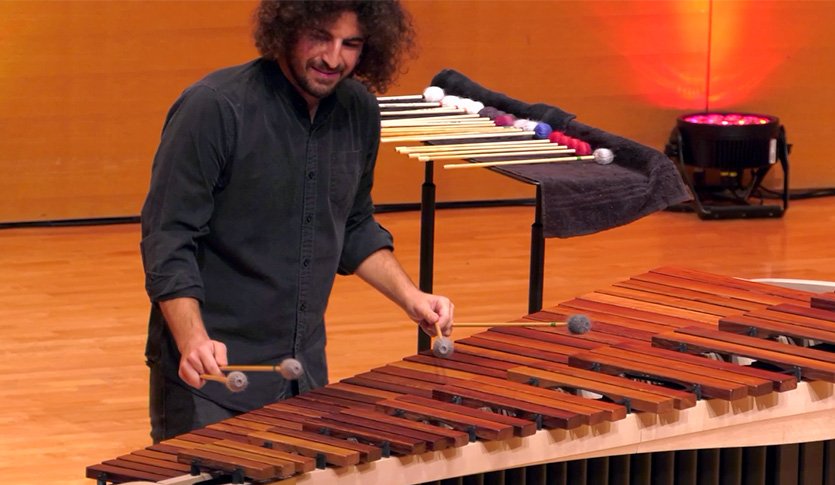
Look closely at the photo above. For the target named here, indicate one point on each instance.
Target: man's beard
(309, 86)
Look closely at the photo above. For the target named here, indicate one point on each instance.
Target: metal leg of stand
(537, 270)
(427, 242)
(783, 155)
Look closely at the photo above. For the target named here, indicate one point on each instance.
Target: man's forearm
(199, 354)
(382, 271)
(184, 320)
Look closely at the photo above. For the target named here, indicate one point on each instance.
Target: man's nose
(332, 54)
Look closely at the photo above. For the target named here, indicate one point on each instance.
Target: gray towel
(584, 197)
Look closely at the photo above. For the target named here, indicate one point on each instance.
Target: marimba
(634, 400)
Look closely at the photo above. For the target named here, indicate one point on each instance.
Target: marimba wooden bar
(634, 400)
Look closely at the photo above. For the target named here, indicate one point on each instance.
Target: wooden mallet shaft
(576, 324)
(447, 147)
(495, 151)
(212, 377)
(441, 110)
(252, 368)
(519, 162)
(508, 133)
(404, 97)
(510, 153)
(510, 324)
(288, 368)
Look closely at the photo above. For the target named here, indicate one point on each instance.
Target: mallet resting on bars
(577, 324)
(290, 369)
(234, 381)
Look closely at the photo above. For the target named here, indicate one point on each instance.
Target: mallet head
(443, 347)
(236, 381)
(291, 369)
(579, 324)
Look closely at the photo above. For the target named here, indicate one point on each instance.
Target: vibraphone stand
(427, 246)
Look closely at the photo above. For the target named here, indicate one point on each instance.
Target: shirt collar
(283, 87)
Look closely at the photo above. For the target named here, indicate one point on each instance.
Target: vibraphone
(634, 400)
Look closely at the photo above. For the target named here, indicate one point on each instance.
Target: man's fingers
(190, 376)
(220, 353)
(446, 326)
(428, 328)
(206, 358)
(444, 310)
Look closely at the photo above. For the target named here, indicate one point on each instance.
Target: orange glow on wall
(705, 55)
(746, 48)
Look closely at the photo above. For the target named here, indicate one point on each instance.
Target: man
(260, 194)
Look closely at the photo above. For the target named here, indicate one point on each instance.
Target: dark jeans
(176, 410)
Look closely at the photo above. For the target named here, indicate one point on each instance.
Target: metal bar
(687, 467)
(811, 461)
(730, 466)
(708, 467)
(537, 267)
(783, 464)
(427, 242)
(663, 467)
(754, 460)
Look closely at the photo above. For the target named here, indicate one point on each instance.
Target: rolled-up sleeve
(363, 234)
(196, 144)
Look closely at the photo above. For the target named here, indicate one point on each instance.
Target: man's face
(322, 57)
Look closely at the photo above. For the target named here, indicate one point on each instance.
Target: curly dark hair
(387, 28)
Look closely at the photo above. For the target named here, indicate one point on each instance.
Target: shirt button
(306, 263)
(311, 175)
(302, 307)
(308, 219)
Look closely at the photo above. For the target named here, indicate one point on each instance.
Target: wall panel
(84, 88)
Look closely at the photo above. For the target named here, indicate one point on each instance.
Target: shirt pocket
(344, 180)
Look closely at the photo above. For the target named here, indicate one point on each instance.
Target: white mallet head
(433, 94)
(603, 156)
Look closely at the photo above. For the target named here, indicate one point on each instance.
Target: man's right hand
(199, 354)
(203, 357)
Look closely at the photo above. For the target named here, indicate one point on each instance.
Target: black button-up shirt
(252, 210)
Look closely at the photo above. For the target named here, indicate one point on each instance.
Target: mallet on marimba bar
(290, 369)
(576, 324)
(234, 381)
(443, 346)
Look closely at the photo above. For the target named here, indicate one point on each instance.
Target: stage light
(724, 158)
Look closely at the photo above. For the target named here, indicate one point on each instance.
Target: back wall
(84, 86)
